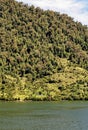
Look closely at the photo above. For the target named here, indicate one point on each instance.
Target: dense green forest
(43, 54)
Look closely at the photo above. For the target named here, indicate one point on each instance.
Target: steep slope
(43, 54)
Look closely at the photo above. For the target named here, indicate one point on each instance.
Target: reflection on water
(44, 115)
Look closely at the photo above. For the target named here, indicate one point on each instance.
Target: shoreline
(7, 100)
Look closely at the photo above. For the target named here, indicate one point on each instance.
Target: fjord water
(44, 115)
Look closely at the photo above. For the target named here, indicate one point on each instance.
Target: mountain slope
(43, 54)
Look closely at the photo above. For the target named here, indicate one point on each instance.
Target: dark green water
(44, 115)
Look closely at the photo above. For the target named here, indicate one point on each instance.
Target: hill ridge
(43, 54)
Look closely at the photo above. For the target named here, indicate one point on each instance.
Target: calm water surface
(44, 115)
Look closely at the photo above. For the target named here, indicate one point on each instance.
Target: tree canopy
(43, 54)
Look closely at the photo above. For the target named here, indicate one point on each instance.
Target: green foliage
(43, 54)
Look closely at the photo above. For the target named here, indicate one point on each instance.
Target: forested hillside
(43, 54)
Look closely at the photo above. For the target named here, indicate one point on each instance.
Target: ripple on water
(44, 116)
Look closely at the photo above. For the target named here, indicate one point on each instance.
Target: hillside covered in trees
(43, 54)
